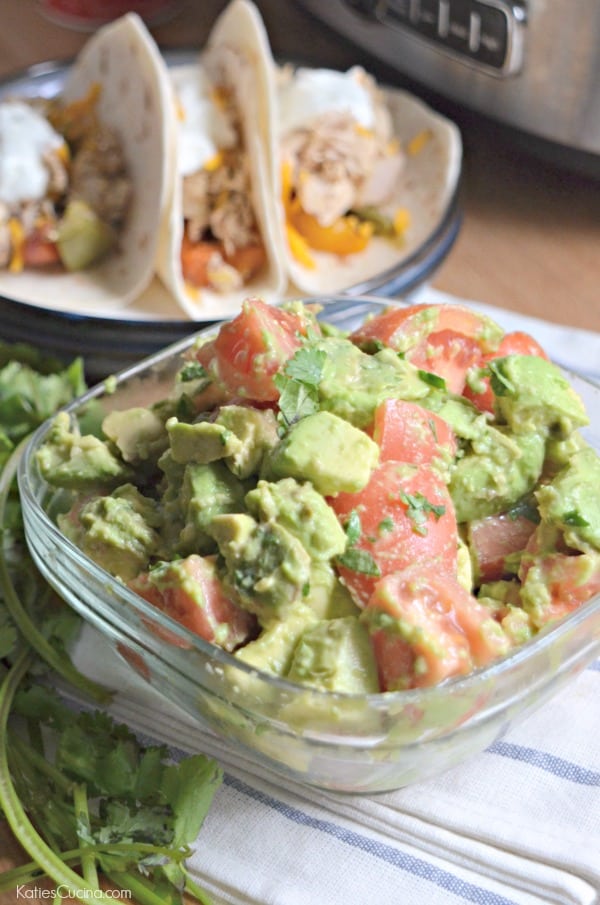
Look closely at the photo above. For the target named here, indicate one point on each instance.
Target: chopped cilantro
(434, 380)
(500, 385)
(418, 507)
(386, 525)
(359, 561)
(353, 528)
(193, 370)
(575, 520)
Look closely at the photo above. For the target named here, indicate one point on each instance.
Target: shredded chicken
(99, 177)
(218, 202)
(337, 165)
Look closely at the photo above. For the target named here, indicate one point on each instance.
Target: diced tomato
(418, 641)
(40, 250)
(555, 584)
(495, 537)
(406, 327)
(190, 592)
(407, 432)
(195, 257)
(516, 343)
(437, 629)
(252, 348)
(247, 260)
(406, 516)
(445, 340)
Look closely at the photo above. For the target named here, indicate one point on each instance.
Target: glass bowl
(350, 743)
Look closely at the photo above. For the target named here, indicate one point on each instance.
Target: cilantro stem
(142, 891)
(60, 662)
(39, 762)
(88, 861)
(25, 833)
(25, 873)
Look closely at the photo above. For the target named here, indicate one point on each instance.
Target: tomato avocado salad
(354, 512)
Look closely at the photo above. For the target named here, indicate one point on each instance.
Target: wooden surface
(530, 239)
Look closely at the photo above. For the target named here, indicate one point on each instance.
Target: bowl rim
(191, 641)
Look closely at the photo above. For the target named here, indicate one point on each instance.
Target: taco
(366, 175)
(83, 177)
(220, 244)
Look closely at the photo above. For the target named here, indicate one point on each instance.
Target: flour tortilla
(134, 102)
(426, 187)
(238, 43)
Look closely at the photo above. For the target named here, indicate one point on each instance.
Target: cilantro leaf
(501, 385)
(418, 507)
(296, 400)
(353, 528)
(359, 561)
(306, 366)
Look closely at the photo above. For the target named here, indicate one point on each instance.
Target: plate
(111, 341)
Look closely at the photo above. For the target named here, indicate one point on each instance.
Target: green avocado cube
(533, 395)
(301, 511)
(336, 655)
(329, 452)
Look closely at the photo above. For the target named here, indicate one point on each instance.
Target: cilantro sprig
(298, 385)
(84, 798)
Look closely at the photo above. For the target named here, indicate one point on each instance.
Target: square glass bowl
(350, 743)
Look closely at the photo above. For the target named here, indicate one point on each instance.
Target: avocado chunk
(78, 462)
(138, 433)
(336, 655)
(267, 568)
(206, 491)
(329, 452)
(303, 512)
(327, 597)
(118, 531)
(571, 501)
(499, 470)
(272, 651)
(531, 394)
(353, 383)
(202, 442)
(256, 430)
(83, 238)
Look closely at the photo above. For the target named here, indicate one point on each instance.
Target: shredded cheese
(418, 142)
(17, 243)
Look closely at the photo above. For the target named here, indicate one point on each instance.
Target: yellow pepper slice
(347, 236)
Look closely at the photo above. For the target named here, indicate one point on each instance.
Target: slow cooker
(533, 65)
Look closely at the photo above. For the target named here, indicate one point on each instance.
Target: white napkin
(518, 824)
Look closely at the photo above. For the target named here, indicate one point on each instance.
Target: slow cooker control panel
(485, 33)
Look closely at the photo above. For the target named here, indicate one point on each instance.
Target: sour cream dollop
(25, 137)
(309, 93)
(204, 126)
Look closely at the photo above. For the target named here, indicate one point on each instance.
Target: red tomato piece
(406, 516)
(495, 537)
(569, 579)
(404, 328)
(190, 592)
(253, 347)
(446, 340)
(437, 629)
(516, 343)
(414, 632)
(40, 250)
(407, 432)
